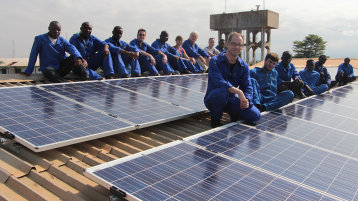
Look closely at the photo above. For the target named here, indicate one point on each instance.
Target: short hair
(322, 56)
(310, 61)
(286, 53)
(141, 29)
(179, 37)
(195, 32)
(273, 56)
(52, 23)
(211, 38)
(117, 28)
(347, 58)
(164, 32)
(234, 34)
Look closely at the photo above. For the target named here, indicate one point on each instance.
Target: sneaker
(215, 123)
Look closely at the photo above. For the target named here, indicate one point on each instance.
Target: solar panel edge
(71, 141)
(154, 78)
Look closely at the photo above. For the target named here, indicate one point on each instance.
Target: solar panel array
(305, 151)
(49, 116)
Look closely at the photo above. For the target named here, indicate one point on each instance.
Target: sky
(21, 20)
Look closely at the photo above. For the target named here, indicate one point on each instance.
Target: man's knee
(217, 97)
(288, 95)
(253, 114)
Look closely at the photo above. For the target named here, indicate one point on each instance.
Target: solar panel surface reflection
(186, 81)
(129, 105)
(164, 91)
(322, 169)
(182, 171)
(41, 120)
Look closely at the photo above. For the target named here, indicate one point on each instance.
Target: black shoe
(215, 123)
(233, 118)
(110, 76)
(186, 71)
(262, 108)
(125, 76)
(136, 75)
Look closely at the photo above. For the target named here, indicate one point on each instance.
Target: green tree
(311, 47)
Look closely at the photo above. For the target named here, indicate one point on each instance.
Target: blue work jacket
(285, 74)
(117, 46)
(87, 48)
(194, 50)
(326, 76)
(348, 70)
(309, 78)
(50, 55)
(144, 47)
(221, 77)
(165, 48)
(267, 81)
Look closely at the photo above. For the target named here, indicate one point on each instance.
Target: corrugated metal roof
(58, 174)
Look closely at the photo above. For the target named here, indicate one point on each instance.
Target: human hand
(165, 59)
(152, 60)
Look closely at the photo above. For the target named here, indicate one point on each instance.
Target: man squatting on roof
(229, 85)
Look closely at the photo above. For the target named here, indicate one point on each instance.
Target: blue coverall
(120, 61)
(92, 51)
(50, 55)
(347, 69)
(170, 52)
(144, 61)
(193, 50)
(193, 68)
(325, 77)
(311, 78)
(285, 74)
(264, 84)
(218, 99)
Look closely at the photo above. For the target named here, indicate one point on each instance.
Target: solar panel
(308, 148)
(181, 171)
(131, 106)
(170, 93)
(185, 81)
(41, 120)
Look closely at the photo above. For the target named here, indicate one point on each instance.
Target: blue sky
(22, 20)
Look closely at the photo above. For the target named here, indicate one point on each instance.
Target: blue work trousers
(221, 100)
(274, 102)
(120, 63)
(165, 67)
(99, 60)
(146, 65)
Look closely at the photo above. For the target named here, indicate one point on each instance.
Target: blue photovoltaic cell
(185, 81)
(322, 118)
(311, 133)
(124, 104)
(42, 119)
(184, 172)
(164, 91)
(340, 109)
(348, 91)
(306, 164)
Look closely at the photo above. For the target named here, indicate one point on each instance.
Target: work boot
(124, 76)
(215, 123)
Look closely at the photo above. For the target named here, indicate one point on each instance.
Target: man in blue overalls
(229, 86)
(264, 83)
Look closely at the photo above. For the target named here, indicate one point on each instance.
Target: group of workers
(232, 86)
(115, 57)
(244, 93)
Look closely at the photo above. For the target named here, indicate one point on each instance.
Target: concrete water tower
(254, 22)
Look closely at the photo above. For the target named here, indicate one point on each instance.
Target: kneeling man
(229, 86)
